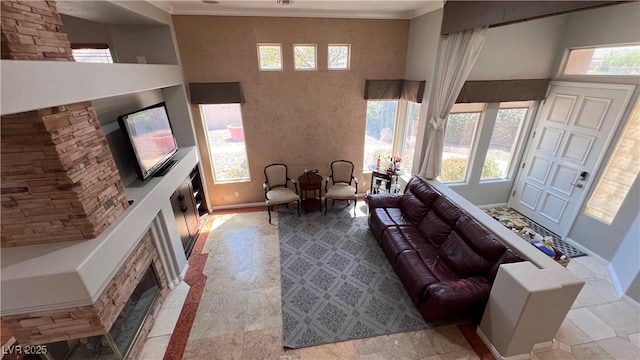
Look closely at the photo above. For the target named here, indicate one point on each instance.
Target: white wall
(154, 42)
(625, 265)
(81, 31)
(422, 52)
(524, 50)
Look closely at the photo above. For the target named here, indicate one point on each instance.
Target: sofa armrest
(461, 293)
(383, 200)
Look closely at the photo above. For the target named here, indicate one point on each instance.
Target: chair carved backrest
(276, 175)
(342, 171)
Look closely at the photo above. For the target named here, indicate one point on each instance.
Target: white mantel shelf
(61, 275)
(65, 82)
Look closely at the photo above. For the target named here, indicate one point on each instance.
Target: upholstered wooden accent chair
(276, 189)
(341, 180)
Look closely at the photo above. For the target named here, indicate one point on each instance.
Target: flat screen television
(150, 138)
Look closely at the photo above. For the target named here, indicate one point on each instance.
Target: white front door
(572, 133)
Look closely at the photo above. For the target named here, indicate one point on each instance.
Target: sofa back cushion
(508, 256)
(412, 208)
(447, 210)
(423, 191)
(461, 257)
(479, 239)
(417, 200)
(434, 229)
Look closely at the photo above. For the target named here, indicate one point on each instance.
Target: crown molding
(285, 11)
(404, 15)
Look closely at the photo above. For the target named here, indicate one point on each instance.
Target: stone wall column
(59, 180)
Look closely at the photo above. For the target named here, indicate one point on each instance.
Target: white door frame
(599, 161)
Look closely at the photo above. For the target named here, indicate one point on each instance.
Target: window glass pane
(504, 139)
(338, 57)
(619, 175)
(304, 57)
(270, 56)
(413, 114)
(92, 55)
(226, 142)
(458, 141)
(619, 60)
(379, 132)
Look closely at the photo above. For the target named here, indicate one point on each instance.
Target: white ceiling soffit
(359, 9)
(106, 12)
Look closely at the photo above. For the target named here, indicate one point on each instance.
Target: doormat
(336, 282)
(505, 213)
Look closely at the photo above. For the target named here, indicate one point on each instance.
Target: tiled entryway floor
(239, 314)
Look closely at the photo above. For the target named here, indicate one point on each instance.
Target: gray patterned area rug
(336, 282)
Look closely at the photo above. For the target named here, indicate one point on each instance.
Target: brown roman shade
(216, 93)
(503, 90)
(464, 15)
(410, 90)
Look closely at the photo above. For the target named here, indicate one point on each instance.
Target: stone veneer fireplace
(57, 325)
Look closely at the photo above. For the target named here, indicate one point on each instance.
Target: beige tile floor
(239, 316)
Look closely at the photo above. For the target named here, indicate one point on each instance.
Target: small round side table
(312, 184)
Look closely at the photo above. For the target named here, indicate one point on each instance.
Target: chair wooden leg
(269, 212)
(355, 205)
(325, 206)
(298, 207)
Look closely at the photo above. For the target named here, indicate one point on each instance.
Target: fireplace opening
(116, 344)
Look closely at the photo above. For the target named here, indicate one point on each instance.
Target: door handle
(578, 185)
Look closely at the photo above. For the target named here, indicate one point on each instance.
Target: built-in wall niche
(108, 110)
(131, 43)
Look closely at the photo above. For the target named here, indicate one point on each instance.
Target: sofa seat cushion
(382, 218)
(414, 274)
(437, 265)
(402, 238)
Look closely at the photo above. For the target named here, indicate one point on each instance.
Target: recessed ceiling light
(211, 2)
(285, 2)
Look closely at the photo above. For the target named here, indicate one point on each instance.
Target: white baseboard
(237, 206)
(495, 352)
(616, 282)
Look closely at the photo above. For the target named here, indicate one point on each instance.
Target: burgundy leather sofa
(445, 259)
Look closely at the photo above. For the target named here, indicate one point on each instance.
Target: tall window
(226, 142)
(91, 53)
(504, 139)
(339, 57)
(619, 175)
(270, 57)
(379, 132)
(411, 130)
(613, 60)
(304, 57)
(459, 137)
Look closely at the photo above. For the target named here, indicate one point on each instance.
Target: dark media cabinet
(190, 209)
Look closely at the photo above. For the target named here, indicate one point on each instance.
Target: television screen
(148, 132)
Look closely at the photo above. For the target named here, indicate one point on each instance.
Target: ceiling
(380, 9)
